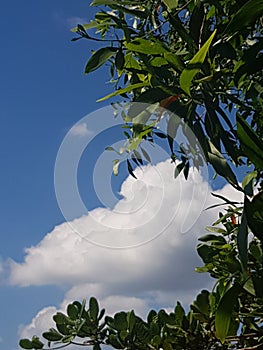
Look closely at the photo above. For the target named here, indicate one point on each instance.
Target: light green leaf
(249, 177)
(124, 90)
(171, 4)
(224, 311)
(93, 24)
(193, 68)
(146, 46)
(99, 58)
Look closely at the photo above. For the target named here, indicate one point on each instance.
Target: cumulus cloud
(140, 254)
(80, 130)
(41, 322)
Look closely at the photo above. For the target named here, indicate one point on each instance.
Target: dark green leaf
(130, 170)
(99, 58)
(251, 144)
(52, 335)
(93, 308)
(221, 166)
(245, 16)
(254, 215)
(178, 169)
(26, 344)
(119, 60)
(242, 240)
(225, 310)
(72, 311)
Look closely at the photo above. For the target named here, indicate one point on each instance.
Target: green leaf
(60, 318)
(99, 58)
(221, 166)
(130, 170)
(93, 24)
(242, 240)
(254, 215)
(146, 47)
(93, 308)
(224, 311)
(174, 60)
(193, 68)
(171, 4)
(37, 344)
(245, 16)
(120, 321)
(178, 169)
(124, 90)
(73, 311)
(131, 319)
(52, 335)
(213, 238)
(179, 314)
(250, 142)
(119, 60)
(26, 344)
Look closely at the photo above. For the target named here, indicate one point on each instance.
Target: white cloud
(80, 130)
(156, 272)
(41, 322)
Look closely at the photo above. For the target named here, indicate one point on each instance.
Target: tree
(201, 60)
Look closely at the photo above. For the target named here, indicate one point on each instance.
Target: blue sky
(43, 94)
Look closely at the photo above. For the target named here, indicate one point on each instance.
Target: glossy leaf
(190, 71)
(99, 58)
(224, 311)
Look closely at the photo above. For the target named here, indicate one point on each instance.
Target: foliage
(201, 60)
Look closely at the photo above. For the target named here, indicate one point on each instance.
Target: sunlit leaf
(171, 4)
(193, 66)
(129, 88)
(146, 46)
